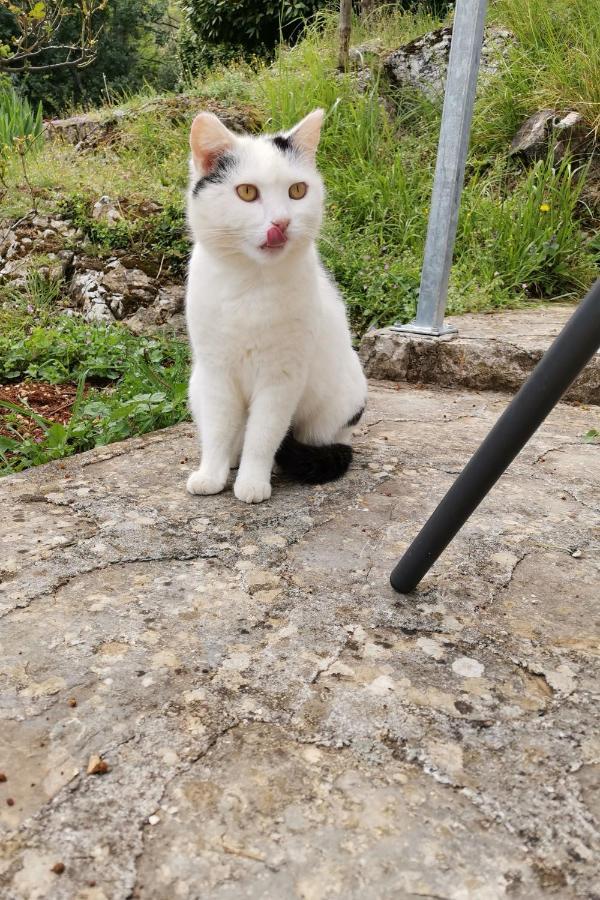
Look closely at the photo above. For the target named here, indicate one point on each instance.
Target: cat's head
(260, 197)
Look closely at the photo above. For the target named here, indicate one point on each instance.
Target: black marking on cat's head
(219, 174)
(283, 143)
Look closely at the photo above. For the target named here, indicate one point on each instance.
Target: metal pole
(560, 365)
(459, 97)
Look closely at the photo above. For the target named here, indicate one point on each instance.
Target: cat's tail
(312, 465)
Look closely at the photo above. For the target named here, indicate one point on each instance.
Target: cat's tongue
(275, 237)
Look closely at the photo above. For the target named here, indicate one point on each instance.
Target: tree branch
(36, 24)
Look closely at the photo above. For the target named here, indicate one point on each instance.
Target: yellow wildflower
(545, 207)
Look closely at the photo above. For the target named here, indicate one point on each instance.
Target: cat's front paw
(201, 483)
(251, 491)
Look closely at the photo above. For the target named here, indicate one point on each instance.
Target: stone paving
(272, 721)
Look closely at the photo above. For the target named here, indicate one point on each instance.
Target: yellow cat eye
(247, 192)
(298, 190)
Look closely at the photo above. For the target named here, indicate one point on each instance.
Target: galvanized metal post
(459, 97)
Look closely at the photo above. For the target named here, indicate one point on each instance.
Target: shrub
(160, 236)
(18, 119)
(246, 26)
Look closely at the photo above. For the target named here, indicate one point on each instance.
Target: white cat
(274, 377)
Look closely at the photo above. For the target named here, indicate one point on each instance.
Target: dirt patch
(52, 401)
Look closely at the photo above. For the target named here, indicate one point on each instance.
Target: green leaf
(38, 12)
(56, 436)
(25, 411)
(7, 443)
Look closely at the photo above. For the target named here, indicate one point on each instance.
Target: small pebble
(3, 778)
(72, 701)
(467, 667)
(576, 554)
(10, 801)
(153, 820)
(97, 766)
(58, 868)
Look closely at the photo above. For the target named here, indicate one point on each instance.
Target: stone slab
(277, 722)
(495, 351)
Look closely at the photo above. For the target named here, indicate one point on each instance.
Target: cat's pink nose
(282, 224)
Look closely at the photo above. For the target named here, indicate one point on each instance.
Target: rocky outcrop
(111, 289)
(549, 128)
(494, 352)
(108, 290)
(42, 242)
(91, 130)
(85, 131)
(422, 64)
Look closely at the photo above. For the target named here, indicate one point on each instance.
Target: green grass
(556, 61)
(379, 170)
(126, 385)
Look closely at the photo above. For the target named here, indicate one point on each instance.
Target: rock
(363, 55)
(103, 290)
(131, 286)
(491, 352)
(85, 131)
(108, 290)
(24, 246)
(467, 667)
(58, 265)
(15, 271)
(106, 210)
(423, 63)
(88, 293)
(548, 128)
(91, 130)
(97, 766)
(165, 313)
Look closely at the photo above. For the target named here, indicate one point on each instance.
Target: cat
(275, 378)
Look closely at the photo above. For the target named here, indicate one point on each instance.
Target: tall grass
(558, 51)
(520, 235)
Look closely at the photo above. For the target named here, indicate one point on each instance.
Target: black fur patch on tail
(312, 465)
(355, 418)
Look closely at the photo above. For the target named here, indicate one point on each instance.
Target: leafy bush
(151, 237)
(246, 25)
(135, 45)
(146, 382)
(18, 119)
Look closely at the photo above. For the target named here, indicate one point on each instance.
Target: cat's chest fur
(244, 322)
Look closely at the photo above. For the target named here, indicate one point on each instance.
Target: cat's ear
(305, 135)
(209, 139)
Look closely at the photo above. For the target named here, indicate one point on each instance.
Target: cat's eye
(247, 192)
(298, 190)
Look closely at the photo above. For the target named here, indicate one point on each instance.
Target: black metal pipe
(558, 368)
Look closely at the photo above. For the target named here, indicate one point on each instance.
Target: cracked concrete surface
(276, 721)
